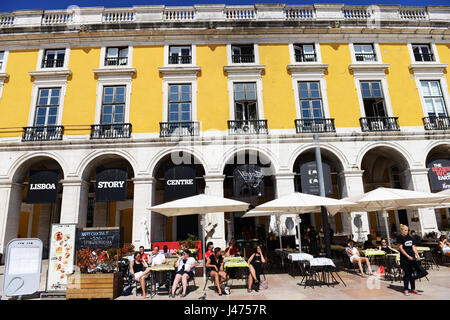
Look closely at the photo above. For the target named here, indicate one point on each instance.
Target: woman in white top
(185, 270)
(444, 245)
(354, 256)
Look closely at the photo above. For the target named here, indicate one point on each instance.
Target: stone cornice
(50, 73)
(257, 68)
(178, 70)
(368, 66)
(306, 67)
(126, 71)
(428, 66)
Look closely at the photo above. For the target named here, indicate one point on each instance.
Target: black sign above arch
(310, 180)
(42, 186)
(179, 182)
(439, 174)
(111, 184)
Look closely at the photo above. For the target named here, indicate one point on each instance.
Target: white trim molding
(433, 51)
(376, 50)
(181, 44)
(242, 42)
(116, 44)
(444, 89)
(49, 47)
(304, 41)
(179, 78)
(5, 60)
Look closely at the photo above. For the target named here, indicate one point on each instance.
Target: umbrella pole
(281, 242)
(385, 217)
(202, 223)
(299, 220)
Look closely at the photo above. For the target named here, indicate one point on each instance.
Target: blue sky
(11, 5)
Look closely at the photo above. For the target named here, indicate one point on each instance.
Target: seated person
(144, 256)
(139, 271)
(214, 265)
(166, 252)
(255, 268)
(444, 245)
(416, 238)
(209, 249)
(368, 243)
(156, 257)
(233, 249)
(384, 247)
(354, 256)
(185, 269)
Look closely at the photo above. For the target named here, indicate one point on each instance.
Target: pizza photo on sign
(58, 236)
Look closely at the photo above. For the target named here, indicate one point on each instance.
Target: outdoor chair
(180, 284)
(428, 260)
(392, 271)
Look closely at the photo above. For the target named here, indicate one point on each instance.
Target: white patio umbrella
(389, 199)
(299, 203)
(200, 204)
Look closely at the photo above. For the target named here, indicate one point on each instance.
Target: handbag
(418, 272)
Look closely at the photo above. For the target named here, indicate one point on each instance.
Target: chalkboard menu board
(99, 238)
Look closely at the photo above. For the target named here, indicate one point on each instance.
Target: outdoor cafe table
(157, 271)
(239, 263)
(373, 254)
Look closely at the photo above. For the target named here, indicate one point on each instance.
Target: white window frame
(41, 55)
(433, 50)
(193, 54)
(103, 55)
(5, 60)
(229, 53)
(303, 41)
(101, 83)
(168, 94)
(384, 86)
(43, 84)
(444, 89)
(236, 78)
(296, 78)
(376, 48)
(179, 79)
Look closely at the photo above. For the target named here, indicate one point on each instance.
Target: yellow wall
(341, 92)
(405, 99)
(278, 96)
(212, 97)
(444, 57)
(16, 98)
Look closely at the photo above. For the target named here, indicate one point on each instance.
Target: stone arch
(264, 152)
(389, 146)
(89, 162)
(18, 169)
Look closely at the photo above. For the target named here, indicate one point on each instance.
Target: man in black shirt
(416, 238)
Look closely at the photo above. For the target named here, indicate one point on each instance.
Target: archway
(438, 162)
(113, 205)
(177, 175)
(35, 200)
(386, 167)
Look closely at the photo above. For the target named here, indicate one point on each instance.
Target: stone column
(74, 202)
(142, 201)
(284, 186)
(355, 223)
(427, 217)
(10, 204)
(215, 221)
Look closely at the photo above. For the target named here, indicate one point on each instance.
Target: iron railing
(314, 125)
(236, 127)
(243, 58)
(52, 63)
(423, 56)
(180, 59)
(436, 123)
(111, 131)
(305, 57)
(120, 61)
(179, 129)
(365, 57)
(379, 124)
(41, 133)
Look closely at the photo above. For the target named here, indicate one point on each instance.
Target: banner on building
(179, 182)
(174, 246)
(310, 180)
(61, 256)
(248, 180)
(439, 174)
(42, 186)
(111, 184)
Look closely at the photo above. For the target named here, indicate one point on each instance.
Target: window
(373, 99)
(2, 57)
(53, 58)
(364, 52)
(180, 55)
(113, 105)
(434, 100)
(310, 100)
(305, 53)
(245, 101)
(47, 107)
(116, 56)
(243, 53)
(180, 101)
(422, 52)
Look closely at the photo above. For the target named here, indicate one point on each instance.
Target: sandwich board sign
(23, 265)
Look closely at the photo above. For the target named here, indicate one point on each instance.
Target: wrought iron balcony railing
(379, 124)
(424, 57)
(243, 58)
(121, 61)
(436, 123)
(314, 125)
(52, 63)
(180, 59)
(310, 57)
(111, 131)
(42, 133)
(236, 127)
(365, 57)
(179, 129)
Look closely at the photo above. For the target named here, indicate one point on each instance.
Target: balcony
(237, 127)
(310, 57)
(111, 131)
(317, 125)
(180, 59)
(365, 57)
(179, 129)
(423, 57)
(121, 61)
(52, 63)
(436, 123)
(243, 58)
(41, 133)
(376, 124)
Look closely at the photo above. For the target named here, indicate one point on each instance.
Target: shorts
(352, 257)
(138, 274)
